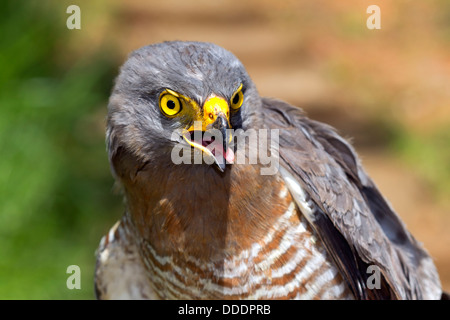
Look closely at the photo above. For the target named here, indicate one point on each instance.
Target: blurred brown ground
(319, 55)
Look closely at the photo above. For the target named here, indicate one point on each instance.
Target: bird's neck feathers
(198, 211)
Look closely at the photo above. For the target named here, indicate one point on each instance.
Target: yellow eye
(170, 105)
(237, 99)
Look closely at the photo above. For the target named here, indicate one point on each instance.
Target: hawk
(317, 227)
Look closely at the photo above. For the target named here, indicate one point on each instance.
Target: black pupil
(235, 98)
(170, 104)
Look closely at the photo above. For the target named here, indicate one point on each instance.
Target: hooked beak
(222, 151)
(214, 136)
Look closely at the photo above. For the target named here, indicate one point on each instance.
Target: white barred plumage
(260, 272)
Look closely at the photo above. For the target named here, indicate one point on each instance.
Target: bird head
(199, 90)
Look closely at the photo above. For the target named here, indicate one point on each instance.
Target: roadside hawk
(219, 226)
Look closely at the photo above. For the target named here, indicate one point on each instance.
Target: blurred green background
(388, 90)
(55, 184)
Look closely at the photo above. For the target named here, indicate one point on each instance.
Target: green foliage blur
(55, 185)
(429, 155)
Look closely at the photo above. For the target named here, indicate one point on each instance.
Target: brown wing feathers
(353, 219)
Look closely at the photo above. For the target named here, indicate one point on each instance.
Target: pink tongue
(229, 156)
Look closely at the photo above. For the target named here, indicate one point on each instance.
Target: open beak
(211, 133)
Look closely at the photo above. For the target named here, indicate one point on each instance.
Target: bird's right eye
(170, 105)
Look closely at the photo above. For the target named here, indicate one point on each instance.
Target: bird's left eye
(170, 105)
(237, 99)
